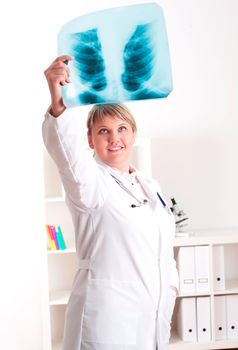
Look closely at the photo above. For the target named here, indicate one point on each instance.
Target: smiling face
(112, 139)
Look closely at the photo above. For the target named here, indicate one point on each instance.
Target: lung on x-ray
(119, 54)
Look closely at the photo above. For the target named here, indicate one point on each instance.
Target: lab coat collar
(148, 188)
(110, 169)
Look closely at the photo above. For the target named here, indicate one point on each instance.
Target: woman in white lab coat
(124, 290)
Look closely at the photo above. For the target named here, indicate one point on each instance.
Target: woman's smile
(115, 149)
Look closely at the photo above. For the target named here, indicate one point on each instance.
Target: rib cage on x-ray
(139, 60)
(89, 66)
(117, 65)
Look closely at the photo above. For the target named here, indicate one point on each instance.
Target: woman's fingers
(58, 72)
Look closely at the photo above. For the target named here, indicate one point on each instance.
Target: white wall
(194, 131)
(194, 135)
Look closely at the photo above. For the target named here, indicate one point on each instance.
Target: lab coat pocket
(110, 312)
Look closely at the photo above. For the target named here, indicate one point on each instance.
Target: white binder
(218, 267)
(220, 317)
(186, 269)
(203, 319)
(202, 269)
(232, 316)
(187, 329)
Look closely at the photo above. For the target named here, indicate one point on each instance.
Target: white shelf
(194, 294)
(229, 239)
(231, 288)
(177, 344)
(208, 237)
(59, 297)
(69, 250)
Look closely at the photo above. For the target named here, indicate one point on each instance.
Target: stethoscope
(145, 201)
(139, 202)
(133, 205)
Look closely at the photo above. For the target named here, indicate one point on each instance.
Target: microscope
(180, 220)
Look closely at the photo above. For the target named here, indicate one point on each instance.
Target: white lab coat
(120, 297)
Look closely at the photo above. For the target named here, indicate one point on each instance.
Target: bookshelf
(227, 238)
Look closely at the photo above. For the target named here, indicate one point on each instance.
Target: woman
(124, 291)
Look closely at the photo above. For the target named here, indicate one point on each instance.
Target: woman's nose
(114, 136)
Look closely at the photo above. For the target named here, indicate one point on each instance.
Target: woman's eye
(103, 131)
(122, 128)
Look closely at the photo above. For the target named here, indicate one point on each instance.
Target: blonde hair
(98, 112)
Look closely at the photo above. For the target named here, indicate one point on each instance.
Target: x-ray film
(119, 54)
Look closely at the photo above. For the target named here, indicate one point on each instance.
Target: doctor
(124, 291)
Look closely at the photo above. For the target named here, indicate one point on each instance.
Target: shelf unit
(210, 238)
(62, 264)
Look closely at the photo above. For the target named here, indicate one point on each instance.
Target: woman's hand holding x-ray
(57, 75)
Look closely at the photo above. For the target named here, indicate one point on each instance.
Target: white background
(193, 131)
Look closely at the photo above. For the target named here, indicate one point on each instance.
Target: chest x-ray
(119, 54)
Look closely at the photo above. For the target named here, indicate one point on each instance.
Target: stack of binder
(226, 317)
(194, 313)
(193, 268)
(194, 320)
